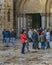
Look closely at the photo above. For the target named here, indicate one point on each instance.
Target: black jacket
(13, 34)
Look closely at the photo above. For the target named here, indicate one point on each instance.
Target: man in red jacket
(23, 39)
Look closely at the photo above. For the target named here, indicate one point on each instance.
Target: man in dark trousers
(13, 36)
(35, 39)
(7, 37)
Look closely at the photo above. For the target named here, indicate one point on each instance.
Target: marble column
(48, 20)
(51, 21)
(43, 22)
(22, 21)
(25, 22)
(18, 20)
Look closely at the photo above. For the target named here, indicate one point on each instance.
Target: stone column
(22, 21)
(25, 22)
(43, 22)
(18, 20)
(51, 21)
(20, 24)
(48, 21)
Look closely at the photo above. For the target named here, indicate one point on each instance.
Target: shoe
(38, 48)
(28, 50)
(48, 48)
(7, 46)
(22, 53)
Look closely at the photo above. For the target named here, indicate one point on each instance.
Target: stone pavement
(12, 56)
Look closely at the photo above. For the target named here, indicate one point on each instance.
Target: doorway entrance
(34, 20)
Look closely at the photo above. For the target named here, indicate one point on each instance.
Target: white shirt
(48, 35)
(30, 34)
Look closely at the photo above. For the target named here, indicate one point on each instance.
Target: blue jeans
(23, 48)
(13, 41)
(47, 44)
(27, 46)
(7, 41)
(42, 45)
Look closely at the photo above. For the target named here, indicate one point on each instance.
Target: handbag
(25, 41)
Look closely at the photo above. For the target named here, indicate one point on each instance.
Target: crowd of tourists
(36, 36)
(9, 36)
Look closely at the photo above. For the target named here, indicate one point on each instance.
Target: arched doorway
(34, 20)
(29, 14)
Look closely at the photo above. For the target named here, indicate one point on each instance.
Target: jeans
(13, 41)
(23, 48)
(35, 44)
(47, 44)
(30, 40)
(42, 45)
(7, 41)
(27, 46)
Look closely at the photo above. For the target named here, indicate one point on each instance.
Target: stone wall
(1, 16)
(6, 15)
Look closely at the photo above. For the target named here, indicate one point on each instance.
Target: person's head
(12, 29)
(23, 31)
(34, 30)
(48, 30)
(4, 29)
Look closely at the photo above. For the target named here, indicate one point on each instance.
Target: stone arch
(50, 14)
(50, 6)
(19, 5)
(29, 8)
(22, 5)
(47, 10)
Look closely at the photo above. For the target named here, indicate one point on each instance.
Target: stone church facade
(25, 10)
(25, 13)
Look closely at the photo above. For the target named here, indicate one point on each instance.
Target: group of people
(35, 36)
(9, 36)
